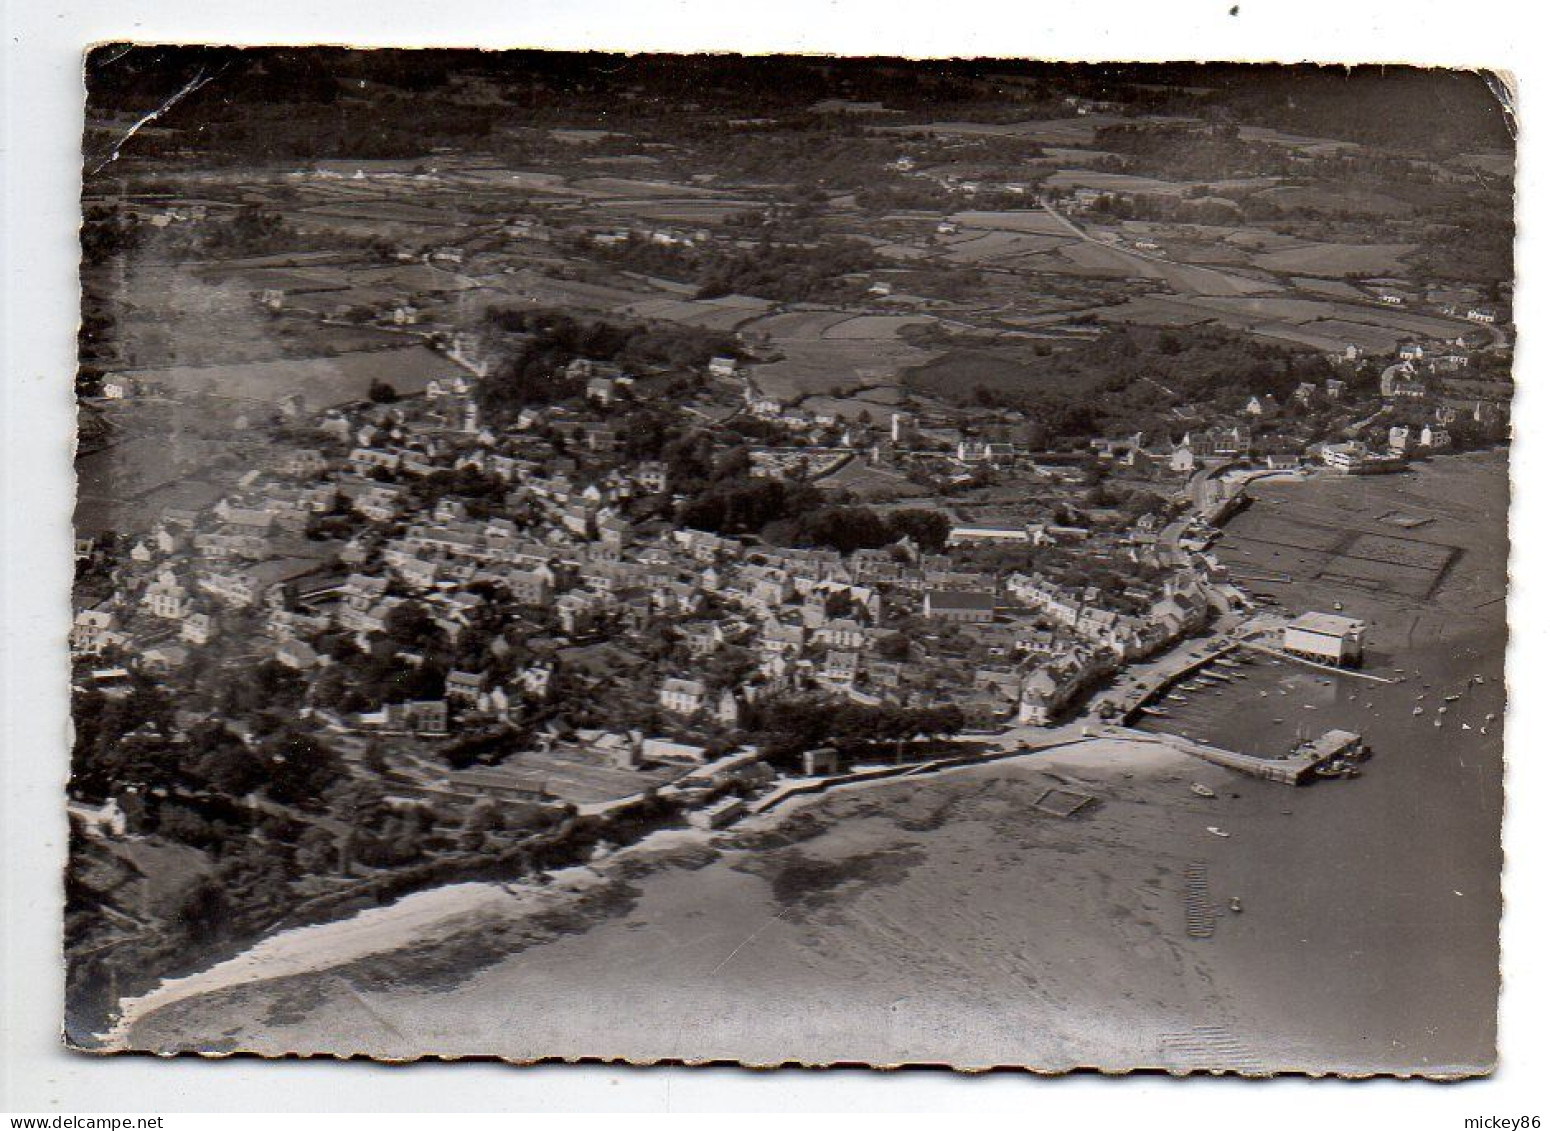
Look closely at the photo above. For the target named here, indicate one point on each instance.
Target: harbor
(1332, 754)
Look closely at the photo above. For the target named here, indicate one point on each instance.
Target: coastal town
(632, 490)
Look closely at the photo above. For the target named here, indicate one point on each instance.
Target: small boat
(1442, 710)
(1339, 607)
(1419, 711)
(1235, 904)
(1436, 722)
(1202, 790)
(1278, 720)
(1214, 831)
(1467, 726)
(1309, 707)
(1450, 698)
(1179, 698)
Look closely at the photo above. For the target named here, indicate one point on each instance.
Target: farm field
(1154, 311)
(961, 369)
(1095, 258)
(1338, 259)
(1115, 182)
(819, 366)
(387, 209)
(876, 402)
(639, 189)
(875, 327)
(873, 484)
(1321, 324)
(1496, 164)
(711, 314)
(1372, 339)
(544, 290)
(1064, 132)
(323, 381)
(798, 325)
(999, 247)
(1034, 221)
(1313, 146)
(1331, 287)
(1349, 200)
(674, 211)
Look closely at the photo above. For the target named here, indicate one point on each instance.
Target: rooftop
(1327, 624)
(960, 599)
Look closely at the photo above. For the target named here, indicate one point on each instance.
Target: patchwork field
(960, 370)
(999, 247)
(675, 211)
(1154, 311)
(711, 314)
(323, 381)
(1115, 182)
(1318, 323)
(820, 366)
(874, 327)
(798, 325)
(1035, 221)
(1338, 259)
(1093, 258)
(1350, 200)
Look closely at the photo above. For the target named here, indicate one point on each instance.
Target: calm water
(1379, 897)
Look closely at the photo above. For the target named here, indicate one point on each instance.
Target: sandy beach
(942, 921)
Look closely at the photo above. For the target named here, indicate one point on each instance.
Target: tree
(301, 769)
(483, 819)
(201, 911)
(381, 392)
(317, 852)
(358, 802)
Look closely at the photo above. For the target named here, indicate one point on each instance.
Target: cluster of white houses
(556, 546)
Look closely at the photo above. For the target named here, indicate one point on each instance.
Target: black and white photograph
(790, 560)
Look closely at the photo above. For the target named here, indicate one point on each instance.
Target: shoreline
(172, 1018)
(675, 943)
(445, 910)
